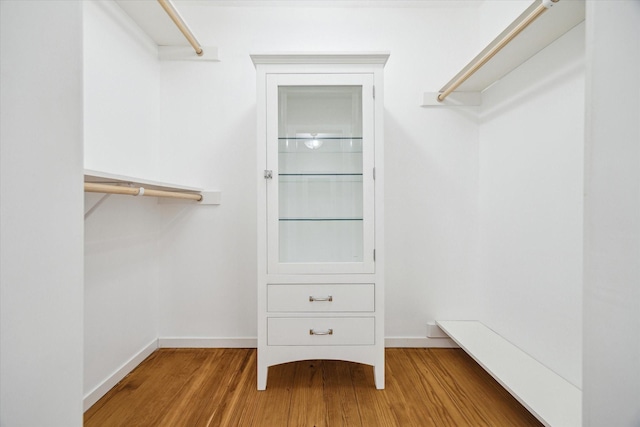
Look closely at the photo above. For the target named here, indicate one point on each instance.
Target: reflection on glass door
(320, 178)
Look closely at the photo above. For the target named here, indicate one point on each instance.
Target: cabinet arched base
(276, 355)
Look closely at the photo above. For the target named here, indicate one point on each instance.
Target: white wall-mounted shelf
(548, 396)
(100, 177)
(548, 27)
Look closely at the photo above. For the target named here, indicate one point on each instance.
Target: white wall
(121, 94)
(531, 173)
(121, 289)
(208, 111)
(612, 216)
(41, 207)
(121, 129)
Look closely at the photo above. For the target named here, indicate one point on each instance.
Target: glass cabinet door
(320, 153)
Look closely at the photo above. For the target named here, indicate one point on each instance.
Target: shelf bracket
(184, 53)
(456, 99)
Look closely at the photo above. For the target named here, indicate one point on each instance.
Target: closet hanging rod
(182, 26)
(450, 87)
(91, 187)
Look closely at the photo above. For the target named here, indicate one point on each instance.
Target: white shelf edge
(550, 398)
(112, 178)
(186, 53)
(208, 197)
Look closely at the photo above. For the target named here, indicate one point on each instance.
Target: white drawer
(321, 298)
(321, 331)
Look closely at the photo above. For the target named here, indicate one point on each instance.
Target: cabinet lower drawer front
(321, 331)
(321, 298)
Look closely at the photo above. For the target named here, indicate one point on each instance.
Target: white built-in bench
(552, 399)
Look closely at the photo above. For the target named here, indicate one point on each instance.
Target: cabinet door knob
(314, 332)
(312, 298)
(268, 174)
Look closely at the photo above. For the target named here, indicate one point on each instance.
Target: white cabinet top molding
(321, 58)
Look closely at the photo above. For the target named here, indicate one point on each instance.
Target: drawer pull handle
(329, 298)
(314, 332)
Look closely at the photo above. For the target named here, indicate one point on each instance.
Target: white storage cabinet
(320, 209)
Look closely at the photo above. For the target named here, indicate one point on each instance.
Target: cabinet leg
(262, 377)
(378, 376)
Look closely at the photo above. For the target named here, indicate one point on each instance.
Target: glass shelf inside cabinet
(320, 197)
(320, 203)
(320, 174)
(320, 156)
(324, 144)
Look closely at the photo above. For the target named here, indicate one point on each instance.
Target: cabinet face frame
(365, 81)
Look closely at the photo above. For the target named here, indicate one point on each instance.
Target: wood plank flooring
(217, 387)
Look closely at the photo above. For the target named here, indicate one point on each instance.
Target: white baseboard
(242, 342)
(190, 342)
(95, 395)
(390, 342)
(419, 342)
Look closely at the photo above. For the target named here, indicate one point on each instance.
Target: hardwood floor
(217, 387)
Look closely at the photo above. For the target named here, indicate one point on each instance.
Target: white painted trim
(94, 395)
(419, 342)
(455, 99)
(335, 58)
(209, 342)
(250, 342)
(186, 53)
(211, 198)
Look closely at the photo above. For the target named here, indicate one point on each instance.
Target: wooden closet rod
(542, 7)
(91, 187)
(182, 26)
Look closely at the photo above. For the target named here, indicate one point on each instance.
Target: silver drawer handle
(329, 298)
(314, 332)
